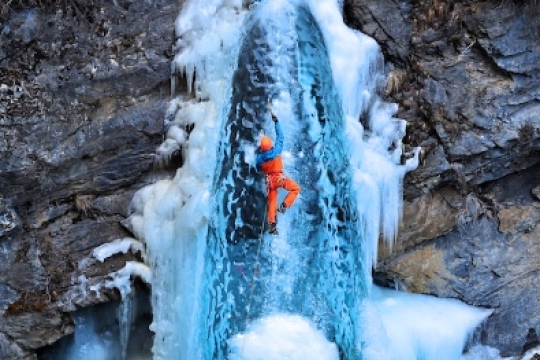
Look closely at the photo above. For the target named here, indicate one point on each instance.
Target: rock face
(83, 93)
(466, 77)
(84, 87)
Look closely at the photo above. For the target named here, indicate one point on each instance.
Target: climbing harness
(274, 180)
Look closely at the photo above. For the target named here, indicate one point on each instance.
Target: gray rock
(9, 350)
(511, 40)
(9, 219)
(7, 296)
(82, 101)
(473, 90)
(393, 33)
(536, 192)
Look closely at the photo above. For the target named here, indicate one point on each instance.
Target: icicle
(125, 320)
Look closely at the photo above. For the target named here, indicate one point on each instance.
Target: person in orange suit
(270, 162)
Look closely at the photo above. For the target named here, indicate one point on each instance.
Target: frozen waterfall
(203, 228)
(223, 289)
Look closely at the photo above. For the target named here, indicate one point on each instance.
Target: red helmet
(266, 143)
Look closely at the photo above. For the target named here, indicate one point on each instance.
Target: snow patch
(116, 247)
(282, 336)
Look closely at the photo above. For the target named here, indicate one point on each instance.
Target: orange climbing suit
(271, 163)
(276, 179)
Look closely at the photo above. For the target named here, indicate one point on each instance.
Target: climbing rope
(255, 268)
(255, 271)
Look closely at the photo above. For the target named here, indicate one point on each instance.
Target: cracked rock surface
(465, 74)
(84, 86)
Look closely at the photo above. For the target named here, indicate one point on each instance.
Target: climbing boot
(272, 229)
(282, 208)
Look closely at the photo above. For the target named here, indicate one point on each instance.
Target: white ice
(399, 326)
(419, 326)
(117, 246)
(282, 336)
(378, 174)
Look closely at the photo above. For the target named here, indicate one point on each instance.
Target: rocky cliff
(465, 74)
(83, 90)
(84, 86)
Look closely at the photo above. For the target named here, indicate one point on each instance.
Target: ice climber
(270, 162)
